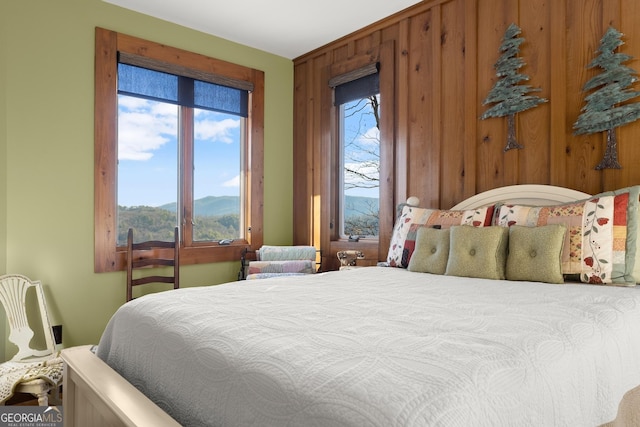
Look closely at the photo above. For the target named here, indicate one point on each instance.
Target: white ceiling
(287, 28)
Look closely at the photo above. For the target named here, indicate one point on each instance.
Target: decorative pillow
(477, 252)
(409, 215)
(535, 253)
(570, 215)
(602, 232)
(633, 227)
(432, 251)
(411, 219)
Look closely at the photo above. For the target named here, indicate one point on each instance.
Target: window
(178, 142)
(358, 103)
(361, 153)
(152, 107)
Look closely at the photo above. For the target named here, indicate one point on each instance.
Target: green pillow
(477, 251)
(431, 252)
(535, 253)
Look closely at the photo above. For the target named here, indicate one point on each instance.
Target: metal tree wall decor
(508, 95)
(603, 111)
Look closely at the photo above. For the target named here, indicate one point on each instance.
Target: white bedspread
(381, 347)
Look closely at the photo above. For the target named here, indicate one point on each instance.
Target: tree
(508, 95)
(362, 150)
(603, 111)
(361, 164)
(157, 223)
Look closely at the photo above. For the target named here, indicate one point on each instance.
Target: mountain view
(211, 206)
(216, 218)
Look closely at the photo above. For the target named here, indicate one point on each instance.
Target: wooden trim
(192, 60)
(349, 76)
(105, 136)
(329, 169)
(186, 214)
(320, 128)
(387, 147)
(255, 165)
(402, 116)
(302, 159)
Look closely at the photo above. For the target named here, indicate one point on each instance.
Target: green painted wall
(3, 173)
(46, 77)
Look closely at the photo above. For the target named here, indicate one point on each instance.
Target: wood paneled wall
(444, 56)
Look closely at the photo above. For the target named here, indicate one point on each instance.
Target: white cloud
(144, 127)
(370, 137)
(233, 182)
(216, 130)
(369, 169)
(133, 103)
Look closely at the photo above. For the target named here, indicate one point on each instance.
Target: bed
(376, 346)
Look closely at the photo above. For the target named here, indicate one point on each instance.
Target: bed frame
(527, 194)
(94, 394)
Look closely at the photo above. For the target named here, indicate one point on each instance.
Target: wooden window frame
(109, 257)
(373, 248)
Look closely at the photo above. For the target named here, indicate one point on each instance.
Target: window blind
(356, 84)
(179, 89)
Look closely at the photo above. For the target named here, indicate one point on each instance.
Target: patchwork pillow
(397, 257)
(403, 239)
(431, 252)
(535, 253)
(601, 237)
(633, 226)
(477, 252)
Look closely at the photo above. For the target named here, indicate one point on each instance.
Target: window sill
(191, 255)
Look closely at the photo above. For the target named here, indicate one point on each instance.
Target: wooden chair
(154, 253)
(34, 371)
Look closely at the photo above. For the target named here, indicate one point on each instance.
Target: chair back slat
(144, 257)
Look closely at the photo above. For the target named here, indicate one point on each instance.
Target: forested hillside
(216, 218)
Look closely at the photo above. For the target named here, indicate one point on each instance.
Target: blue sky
(147, 152)
(363, 136)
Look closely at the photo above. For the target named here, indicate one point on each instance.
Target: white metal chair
(34, 371)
